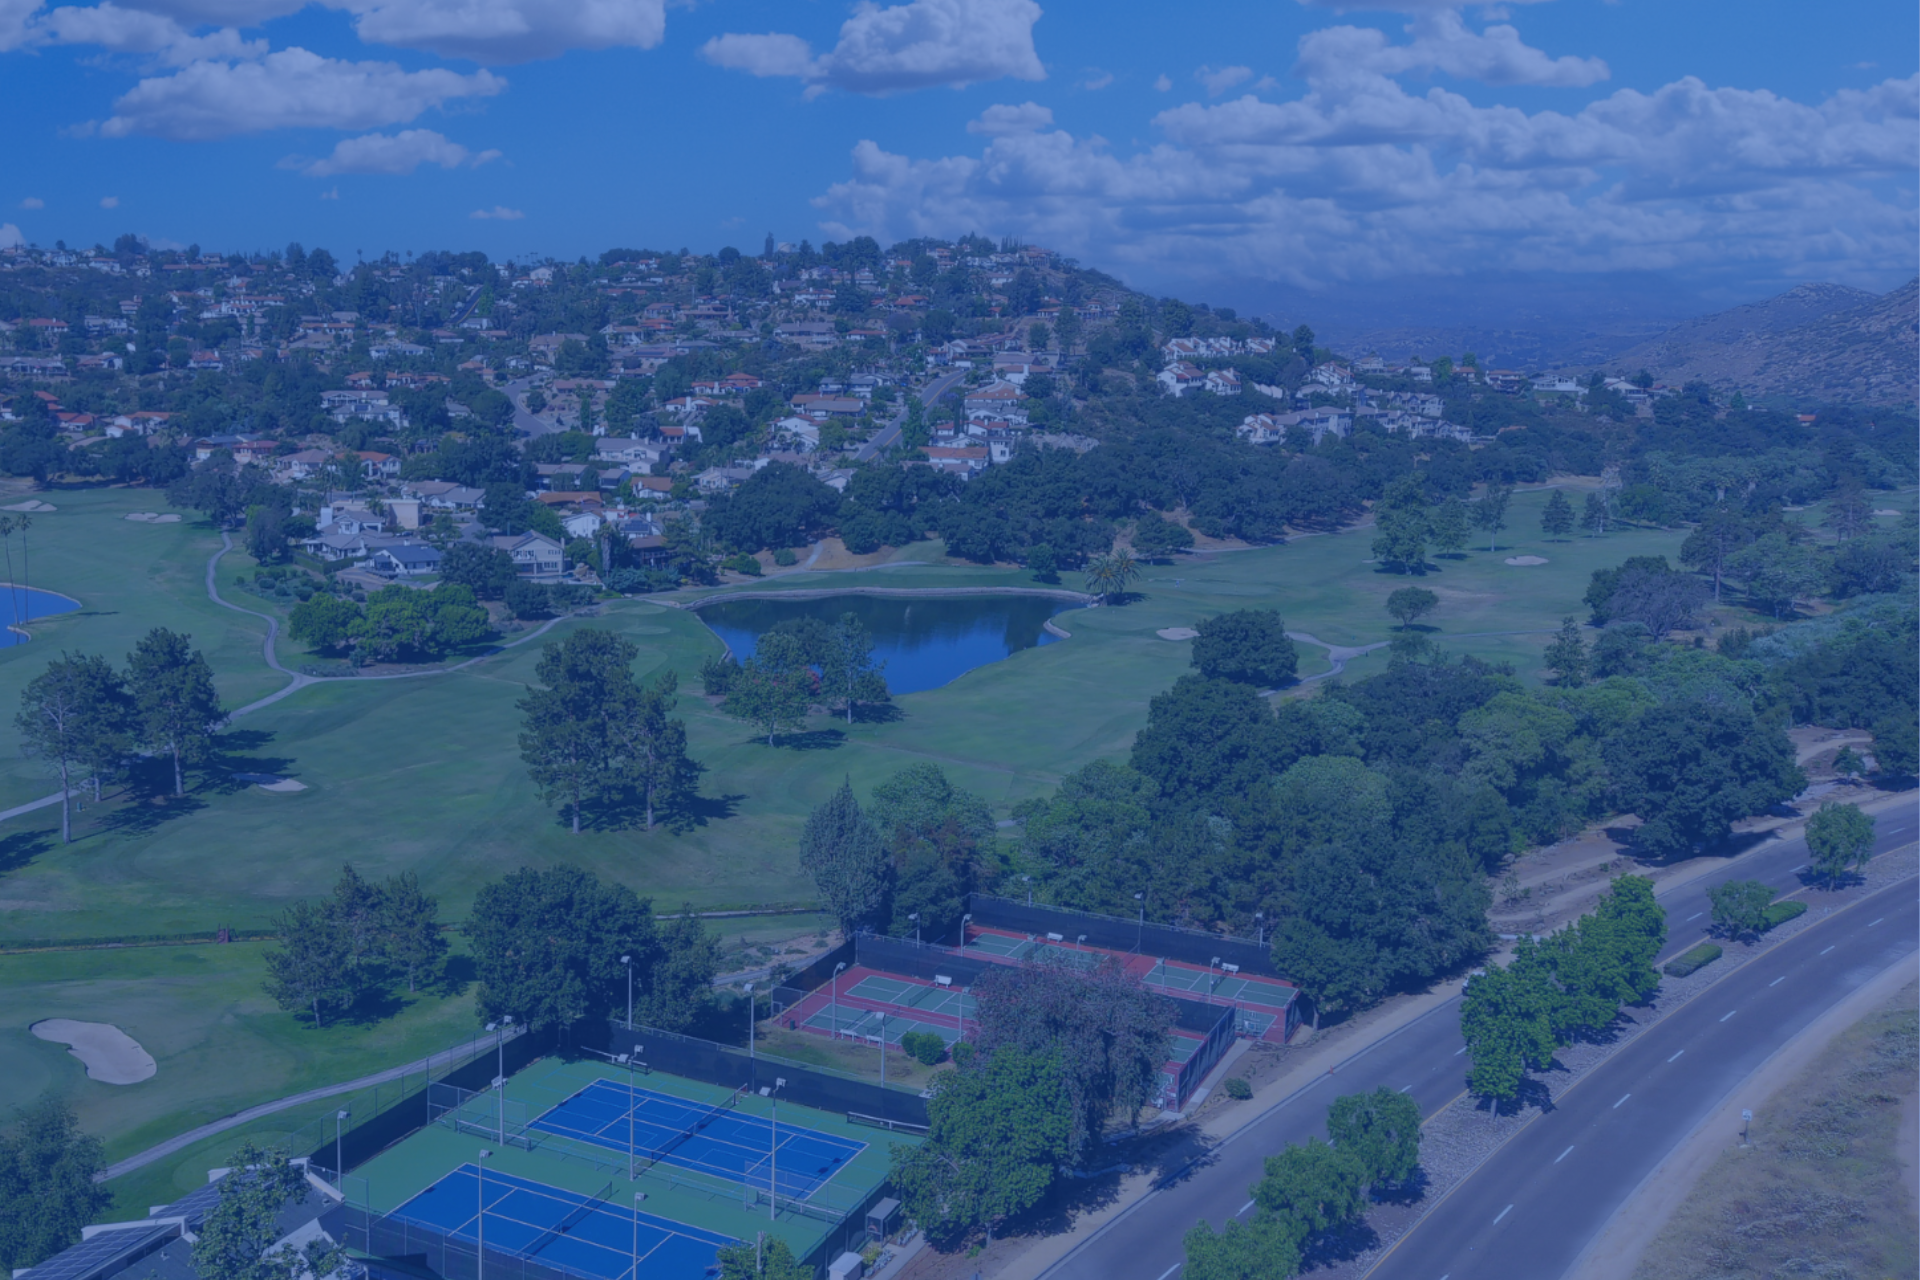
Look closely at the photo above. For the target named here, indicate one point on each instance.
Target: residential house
(301, 465)
(535, 555)
(444, 495)
(628, 451)
(405, 560)
(800, 433)
(350, 518)
(998, 397)
(963, 460)
(378, 466)
(1180, 377)
(1222, 382)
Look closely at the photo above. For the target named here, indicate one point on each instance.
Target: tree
(1660, 601)
(1156, 536)
(1490, 513)
(1847, 764)
(410, 938)
(1840, 838)
(842, 852)
(769, 1258)
(1042, 563)
(1249, 646)
(267, 530)
(1506, 1020)
(547, 946)
(486, 571)
(312, 968)
(1690, 769)
(48, 1187)
(1567, 656)
(1400, 540)
(236, 1240)
(1849, 513)
(1713, 543)
(1740, 908)
(1778, 569)
(323, 621)
(1411, 603)
(1382, 1128)
(679, 986)
(1109, 576)
(401, 621)
(1315, 1185)
(1447, 526)
(935, 833)
(1557, 520)
(1896, 745)
(1265, 1249)
(848, 670)
(1594, 516)
(72, 716)
(1204, 738)
(773, 687)
(997, 1131)
(656, 747)
(174, 701)
(576, 730)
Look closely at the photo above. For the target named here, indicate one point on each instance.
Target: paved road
(1531, 1210)
(884, 438)
(1425, 1058)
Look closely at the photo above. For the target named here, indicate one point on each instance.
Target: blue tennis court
(708, 1139)
(581, 1235)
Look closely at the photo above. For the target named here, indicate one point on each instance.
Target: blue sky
(1208, 149)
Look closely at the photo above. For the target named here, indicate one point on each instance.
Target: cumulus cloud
(508, 31)
(1442, 42)
(1163, 84)
(109, 202)
(499, 213)
(331, 193)
(293, 88)
(33, 202)
(1097, 81)
(132, 30)
(918, 45)
(10, 237)
(1360, 179)
(399, 153)
(1218, 81)
(1002, 121)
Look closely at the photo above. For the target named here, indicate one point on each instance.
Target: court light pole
(480, 1219)
(339, 1166)
(1029, 880)
(628, 1059)
(773, 1153)
(749, 1020)
(638, 1196)
(1139, 939)
(883, 1051)
(1211, 981)
(500, 1079)
(833, 994)
(965, 921)
(1260, 927)
(915, 917)
(627, 961)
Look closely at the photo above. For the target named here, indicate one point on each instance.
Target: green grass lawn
(425, 774)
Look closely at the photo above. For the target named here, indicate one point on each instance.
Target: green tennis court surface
(945, 1001)
(1064, 951)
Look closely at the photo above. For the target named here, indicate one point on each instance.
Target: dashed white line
(1170, 1270)
(1728, 1014)
(1676, 1055)
(1243, 1208)
(1777, 981)
(1457, 1052)
(1406, 1089)
(1623, 1098)
(1828, 949)
(1695, 916)
(1503, 1213)
(1870, 925)
(1563, 1155)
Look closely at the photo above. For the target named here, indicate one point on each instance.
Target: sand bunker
(1176, 633)
(152, 517)
(109, 1054)
(271, 782)
(31, 504)
(1526, 560)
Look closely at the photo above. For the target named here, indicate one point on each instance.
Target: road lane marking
(1676, 1055)
(1828, 949)
(1876, 922)
(1623, 1098)
(1243, 1208)
(1169, 1271)
(1563, 1155)
(1457, 1052)
(1695, 916)
(1503, 1213)
(1728, 1014)
(1777, 981)
(1407, 1089)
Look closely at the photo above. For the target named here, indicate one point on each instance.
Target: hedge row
(134, 940)
(1781, 912)
(1693, 961)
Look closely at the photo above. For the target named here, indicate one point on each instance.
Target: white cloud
(1002, 121)
(1410, 6)
(399, 153)
(918, 45)
(499, 213)
(1163, 84)
(1219, 81)
(508, 31)
(33, 202)
(10, 237)
(293, 88)
(109, 202)
(131, 30)
(1097, 81)
(14, 15)
(1442, 42)
(331, 193)
(1359, 179)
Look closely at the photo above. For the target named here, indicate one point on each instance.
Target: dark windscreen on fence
(732, 1068)
(1116, 934)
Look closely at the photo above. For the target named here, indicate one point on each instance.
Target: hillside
(1818, 342)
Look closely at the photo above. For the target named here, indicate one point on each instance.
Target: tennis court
(590, 1236)
(706, 1139)
(1008, 946)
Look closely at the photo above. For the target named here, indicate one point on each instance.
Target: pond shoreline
(821, 593)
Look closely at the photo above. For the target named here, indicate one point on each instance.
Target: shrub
(1693, 961)
(962, 1053)
(1236, 1088)
(741, 562)
(784, 557)
(1781, 912)
(924, 1047)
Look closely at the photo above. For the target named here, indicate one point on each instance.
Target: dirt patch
(1176, 633)
(31, 504)
(1525, 560)
(109, 1054)
(271, 782)
(148, 517)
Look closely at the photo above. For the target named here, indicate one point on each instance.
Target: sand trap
(271, 782)
(110, 1055)
(1526, 560)
(152, 517)
(1884, 511)
(31, 504)
(1176, 633)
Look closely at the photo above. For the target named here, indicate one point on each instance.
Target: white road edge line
(1870, 925)
(1777, 981)
(1829, 949)
(1170, 1270)
(1728, 1014)
(1243, 1208)
(1695, 916)
(1457, 1052)
(1563, 1155)
(1623, 1098)
(1503, 1213)
(1676, 1055)
(1406, 1088)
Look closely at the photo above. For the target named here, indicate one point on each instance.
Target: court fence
(384, 1241)
(1115, 933)
(1187, 1078)
(731, 1068)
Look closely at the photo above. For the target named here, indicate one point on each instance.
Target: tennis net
(667, 1148)
(572, 1220)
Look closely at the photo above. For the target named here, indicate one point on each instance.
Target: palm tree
(1108, 576)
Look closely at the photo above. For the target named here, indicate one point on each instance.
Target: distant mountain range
(1816, 342)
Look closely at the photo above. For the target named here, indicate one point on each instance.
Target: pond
(27, 603)
(926, 641)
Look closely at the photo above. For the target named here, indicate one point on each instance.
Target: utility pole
(773, 1153)
(628, 962)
